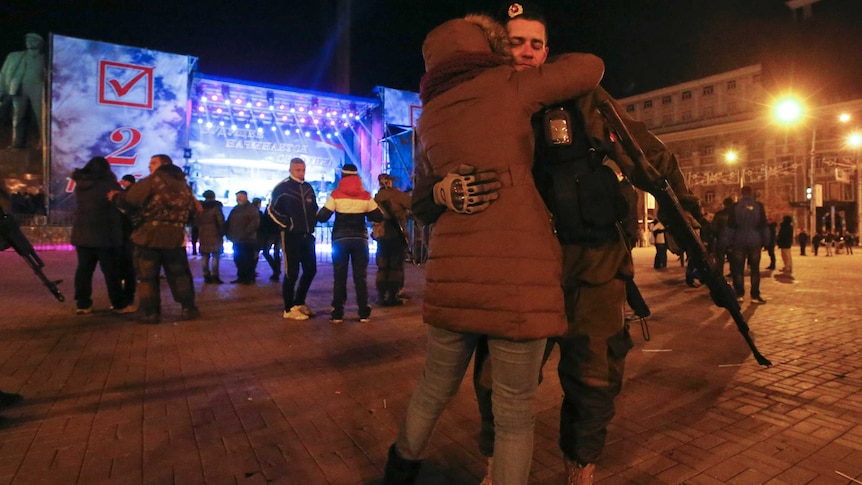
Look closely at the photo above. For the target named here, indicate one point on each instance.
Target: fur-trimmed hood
(475, 33)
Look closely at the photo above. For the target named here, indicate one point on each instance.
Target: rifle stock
(680, 228)
(12, 235)
(399, 229)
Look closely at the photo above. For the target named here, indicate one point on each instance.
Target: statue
(21, 84)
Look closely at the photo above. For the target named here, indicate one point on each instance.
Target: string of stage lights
(237, 107)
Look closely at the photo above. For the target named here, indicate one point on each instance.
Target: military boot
(577, 474)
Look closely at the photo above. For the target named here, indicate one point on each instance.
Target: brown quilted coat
(496, 272)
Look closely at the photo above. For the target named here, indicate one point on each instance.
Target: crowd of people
(740, 231)
(133, 229)
(28, 201)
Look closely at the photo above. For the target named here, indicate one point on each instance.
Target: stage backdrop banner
(122, 103)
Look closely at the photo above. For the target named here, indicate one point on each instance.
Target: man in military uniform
(391, 242)
(165, 204)
(584, 196)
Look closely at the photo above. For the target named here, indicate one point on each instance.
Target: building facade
(724, 134)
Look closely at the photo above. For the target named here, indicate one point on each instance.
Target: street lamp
(789, 110)
(855, 141)
(731, 157)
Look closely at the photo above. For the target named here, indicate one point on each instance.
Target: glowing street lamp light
(731, 157)
(788, 110)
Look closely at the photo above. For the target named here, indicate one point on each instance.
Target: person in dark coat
(770, 243)
(785, 241)
(268, 234)
(802, 239)
(211, 226)
(242, 224)
(722, 234)
(817, 241)
(748, 223)
(97, 234)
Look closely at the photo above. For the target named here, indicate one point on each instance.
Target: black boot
(392, 295)
(400, 471)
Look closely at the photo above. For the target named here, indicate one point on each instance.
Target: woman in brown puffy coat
(496, 273)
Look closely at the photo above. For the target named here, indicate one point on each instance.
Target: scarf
(459, 69)
(350, 187)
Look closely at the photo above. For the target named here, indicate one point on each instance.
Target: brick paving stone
(749, 477)
(796, 474)
(727, 469)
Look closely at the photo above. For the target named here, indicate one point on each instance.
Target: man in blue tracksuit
(294, 208)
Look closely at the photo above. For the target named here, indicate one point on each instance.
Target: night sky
(646, 44)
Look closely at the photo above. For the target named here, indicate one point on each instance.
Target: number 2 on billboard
(130, 138)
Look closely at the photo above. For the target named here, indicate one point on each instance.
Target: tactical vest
(582, 193)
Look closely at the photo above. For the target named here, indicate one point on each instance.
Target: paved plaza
(243, 396)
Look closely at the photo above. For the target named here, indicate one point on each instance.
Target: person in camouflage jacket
(165, 204)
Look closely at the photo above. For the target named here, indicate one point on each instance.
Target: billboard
(122, 103)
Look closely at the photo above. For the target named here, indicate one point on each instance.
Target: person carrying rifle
(392, 242)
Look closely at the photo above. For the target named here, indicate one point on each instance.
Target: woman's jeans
(515, 371)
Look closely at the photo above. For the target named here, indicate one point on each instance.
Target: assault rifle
(11, 236)
(399, 229)
(680, 228)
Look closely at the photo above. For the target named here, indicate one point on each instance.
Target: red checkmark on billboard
(123, 84)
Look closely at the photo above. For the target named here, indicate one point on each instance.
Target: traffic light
(817, 193)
